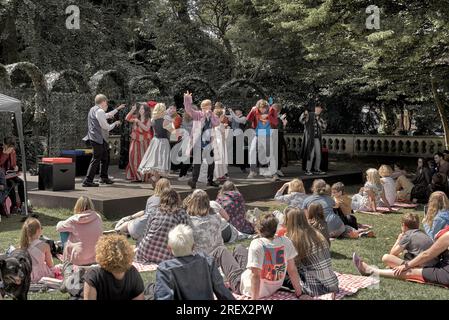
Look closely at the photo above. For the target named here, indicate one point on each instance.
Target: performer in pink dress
(141, 136)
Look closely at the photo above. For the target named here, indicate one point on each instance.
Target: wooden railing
(374, 145)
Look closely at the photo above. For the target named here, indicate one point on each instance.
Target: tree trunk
(442, 111)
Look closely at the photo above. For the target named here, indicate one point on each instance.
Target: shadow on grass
(15, 222)
(338, 256)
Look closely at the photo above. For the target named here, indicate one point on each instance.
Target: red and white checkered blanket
(381, 210)
(349, 284)
(145, 267)
(405, 205)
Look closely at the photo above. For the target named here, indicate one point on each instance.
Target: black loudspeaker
(56, 177)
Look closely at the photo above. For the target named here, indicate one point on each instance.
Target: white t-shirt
(389, 189)
(271, 257)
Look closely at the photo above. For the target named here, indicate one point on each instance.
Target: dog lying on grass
(15, 274)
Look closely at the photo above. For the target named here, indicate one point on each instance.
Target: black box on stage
(80, 158)
(56, 176)
(324, 166)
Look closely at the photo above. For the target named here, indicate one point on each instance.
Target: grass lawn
(386, 228)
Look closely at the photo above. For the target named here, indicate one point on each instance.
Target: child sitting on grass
(315, 216)
(411, 240)
(389, 184)
(295, 194)
(40, 252)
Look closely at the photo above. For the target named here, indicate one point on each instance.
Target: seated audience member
(315, 217)
(432, 166)
(439, 183)
(411, 240)
(135, 224)
(282, 228)
(343, 205)
(314, 259)
(233, 203)
(84, 229)
(153, 247)
(388, 183)
(404, 189)
(206, 224)
(442, 166)
(437, 214)
(229, 233)
(372, 194)
(116, 278)
(399, 170)
(177, 279)
(258, 280)
(41, 258)
(416, 269)
(295, 193)
(8, 162)
(421, 182)
(335, 225)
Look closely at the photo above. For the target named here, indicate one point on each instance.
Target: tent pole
(24, 162)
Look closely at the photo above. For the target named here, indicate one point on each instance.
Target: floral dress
(234, 204)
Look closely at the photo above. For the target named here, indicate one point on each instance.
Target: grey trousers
(315, 154)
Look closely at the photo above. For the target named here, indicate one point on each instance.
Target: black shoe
(319, 172)
(87, 184)
(308, 173)
(106, 181)
(213, 184)
(191, 184)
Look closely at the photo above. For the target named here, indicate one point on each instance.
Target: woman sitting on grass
(41, 258)
(295, 194)
(413, 270)
(84, 229)
(437, 215)
(206, 224)
(116, 278)
(314, 259)
(388, 183)
(372, 194)
(320, 195)
(135, 224)
(231, 200)
(153, 247)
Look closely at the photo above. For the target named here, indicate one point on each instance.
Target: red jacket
(255, 114)
(8, 161)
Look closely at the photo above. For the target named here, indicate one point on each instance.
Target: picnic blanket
(381, 211)
(348, 284)
(405, 205)
(144, 267)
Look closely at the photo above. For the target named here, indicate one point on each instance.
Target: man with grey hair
(97, 136)
(177, 279)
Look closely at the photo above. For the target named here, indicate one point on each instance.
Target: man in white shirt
(98, 136)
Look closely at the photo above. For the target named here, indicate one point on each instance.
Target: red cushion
(57, 160)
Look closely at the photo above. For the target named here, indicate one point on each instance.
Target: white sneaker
(184, 178)
(275, 178)
(251, 175)
(280, 173)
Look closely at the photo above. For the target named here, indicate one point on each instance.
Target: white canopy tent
(8, 104)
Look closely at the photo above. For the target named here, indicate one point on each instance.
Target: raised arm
(188, 101)
(304, 117)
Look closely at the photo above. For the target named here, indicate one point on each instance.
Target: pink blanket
(349, 284)
(145, 267)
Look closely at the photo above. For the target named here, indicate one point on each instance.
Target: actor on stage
(263, 119)
(203, 123)
(141, 135)
(98, 136)
(219, 144)
(238, 122)
(314, 126)
(156, 161)
(8, 163)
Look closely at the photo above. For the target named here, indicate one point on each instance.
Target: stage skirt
(137, 149)
(156, 158)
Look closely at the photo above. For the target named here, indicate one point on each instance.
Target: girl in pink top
(85, 228)
(39, 250)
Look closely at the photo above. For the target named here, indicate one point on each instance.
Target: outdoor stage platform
(124, 198)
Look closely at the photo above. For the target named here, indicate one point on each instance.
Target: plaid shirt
(316, 274)
(153, 247)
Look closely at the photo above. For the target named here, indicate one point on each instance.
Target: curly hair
(114, 253)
